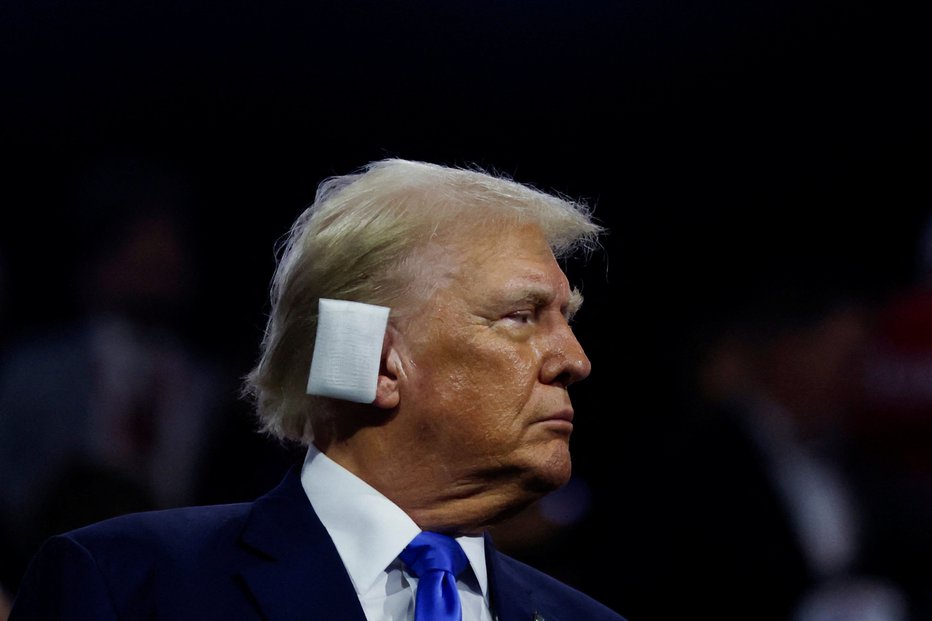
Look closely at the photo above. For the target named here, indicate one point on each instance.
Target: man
(111, 406)
(430, 308)
(762, 504)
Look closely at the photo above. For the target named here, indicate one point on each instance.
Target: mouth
(561, 421)
(562, 415)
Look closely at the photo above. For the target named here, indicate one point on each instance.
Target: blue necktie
(436, 560)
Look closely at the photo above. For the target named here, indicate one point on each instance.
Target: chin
(554, 472)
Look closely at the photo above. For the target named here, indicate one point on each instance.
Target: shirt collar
(368, 530)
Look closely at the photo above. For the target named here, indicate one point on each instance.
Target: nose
(564, 362)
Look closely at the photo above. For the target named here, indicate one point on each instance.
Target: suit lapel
(511, 598)
(294, 569)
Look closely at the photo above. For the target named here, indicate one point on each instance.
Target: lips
(566, 415)
(563, 416)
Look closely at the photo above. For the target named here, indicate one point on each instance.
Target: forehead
(505, 258)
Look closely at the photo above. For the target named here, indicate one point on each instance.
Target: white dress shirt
(370, 531)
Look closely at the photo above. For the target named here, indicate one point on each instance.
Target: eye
(522, 316)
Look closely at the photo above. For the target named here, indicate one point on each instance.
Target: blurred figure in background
(111, 411)
(762, 508)
(894, 422)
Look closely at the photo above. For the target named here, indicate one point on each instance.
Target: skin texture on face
(476, 380)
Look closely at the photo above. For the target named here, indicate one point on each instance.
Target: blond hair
(359, 241)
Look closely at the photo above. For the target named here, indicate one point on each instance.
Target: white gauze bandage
(345, 364)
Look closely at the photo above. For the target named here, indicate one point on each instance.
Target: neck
(435, 495)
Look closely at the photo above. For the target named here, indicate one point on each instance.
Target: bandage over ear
(345, 364)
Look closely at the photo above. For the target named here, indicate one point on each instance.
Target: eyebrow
(542, 297)
(574, 304)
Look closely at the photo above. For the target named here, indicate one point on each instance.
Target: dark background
(721, 143)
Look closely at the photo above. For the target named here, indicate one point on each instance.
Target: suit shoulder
(165, 533)
(552, 594)
(134, 564)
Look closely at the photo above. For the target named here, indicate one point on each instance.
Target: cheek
(492, 386)
(486, 379)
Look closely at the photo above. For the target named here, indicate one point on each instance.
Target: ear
(387, 391)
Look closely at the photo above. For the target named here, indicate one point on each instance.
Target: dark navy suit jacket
(269, 559)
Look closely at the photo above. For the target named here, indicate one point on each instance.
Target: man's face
(488, 360)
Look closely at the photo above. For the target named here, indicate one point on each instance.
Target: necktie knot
(436, 560)
(429, 551)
